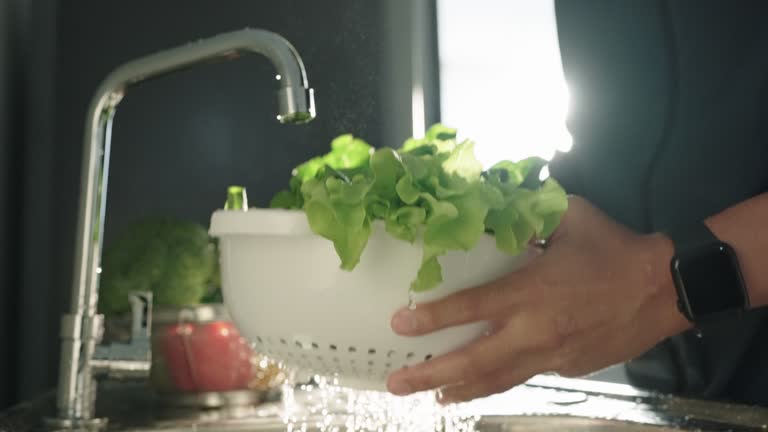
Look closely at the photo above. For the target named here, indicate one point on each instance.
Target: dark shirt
(669, 116)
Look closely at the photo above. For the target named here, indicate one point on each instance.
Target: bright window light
(501, 77)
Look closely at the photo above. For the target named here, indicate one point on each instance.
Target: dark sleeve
(615, 61)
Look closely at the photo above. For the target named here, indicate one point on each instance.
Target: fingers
(495, 382)
(475, 304)
(527, 345)
(584, 353)
(464, 365)
(579, 354)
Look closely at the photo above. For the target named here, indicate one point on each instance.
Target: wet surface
(547, 403)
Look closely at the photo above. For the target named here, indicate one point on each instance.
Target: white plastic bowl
(286, 293)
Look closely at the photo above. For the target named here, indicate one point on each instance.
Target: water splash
(328, 407)
(411, 300)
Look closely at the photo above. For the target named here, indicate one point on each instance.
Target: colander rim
(259, 221)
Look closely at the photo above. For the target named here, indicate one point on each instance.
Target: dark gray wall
(5, 249)
(17, 17)
(40, 295)
(179, 141)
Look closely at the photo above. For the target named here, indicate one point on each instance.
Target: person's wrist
(758, 295)
(660, 249)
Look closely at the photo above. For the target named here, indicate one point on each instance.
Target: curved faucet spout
(81, 328)
(295, 99)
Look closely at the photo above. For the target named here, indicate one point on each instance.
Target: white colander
(285, 291)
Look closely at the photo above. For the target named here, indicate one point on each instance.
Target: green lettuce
(431, 190)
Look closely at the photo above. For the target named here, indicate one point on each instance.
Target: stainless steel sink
(564, 424)
(495, 424)
(546, 403)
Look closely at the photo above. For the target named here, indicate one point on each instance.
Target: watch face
(710, 280)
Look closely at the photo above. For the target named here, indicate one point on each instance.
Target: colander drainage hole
(390, 353)
(258, 339)
(282, 341)
(352, 349)
(388, 365)
(333, 347)
(370, 362)
(315, 345)
(409, 355)
(429, 356)
(372, 351)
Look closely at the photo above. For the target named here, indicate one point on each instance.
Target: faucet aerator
(296, 105)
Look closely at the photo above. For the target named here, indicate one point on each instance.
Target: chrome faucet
(82, 328)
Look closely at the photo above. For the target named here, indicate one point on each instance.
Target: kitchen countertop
(545, 403)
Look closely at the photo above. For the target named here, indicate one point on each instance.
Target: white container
(286, 293)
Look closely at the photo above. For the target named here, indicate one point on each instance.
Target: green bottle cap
(237, 199)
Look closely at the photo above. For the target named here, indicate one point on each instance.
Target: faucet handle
(141, 313)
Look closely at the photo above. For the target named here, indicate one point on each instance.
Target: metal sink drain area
(545, 403)
(496, 424)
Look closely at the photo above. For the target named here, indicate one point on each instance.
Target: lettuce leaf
(432, 189)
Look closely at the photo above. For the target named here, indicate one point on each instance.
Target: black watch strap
(706, 274)
(692, 236)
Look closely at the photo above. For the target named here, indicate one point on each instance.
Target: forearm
(745, 228)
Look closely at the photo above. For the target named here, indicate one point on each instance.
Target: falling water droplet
(439, 394)
(699, 334)
(411, 300)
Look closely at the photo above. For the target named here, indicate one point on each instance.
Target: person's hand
(599, 294)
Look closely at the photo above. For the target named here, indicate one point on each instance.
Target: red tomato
(175, 353)
(210, 357)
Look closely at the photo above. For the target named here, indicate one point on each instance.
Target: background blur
(383, 70)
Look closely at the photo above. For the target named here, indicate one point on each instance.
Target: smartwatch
(706, 275)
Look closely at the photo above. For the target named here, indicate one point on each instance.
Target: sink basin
(563, 424)
(495, 424)
(545, 403)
